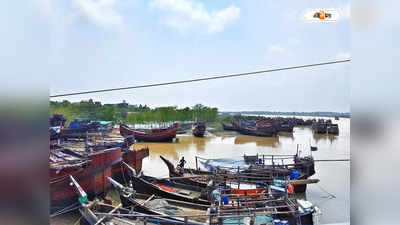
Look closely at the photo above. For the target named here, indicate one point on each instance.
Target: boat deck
(166, 208)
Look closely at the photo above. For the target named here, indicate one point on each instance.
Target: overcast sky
(96, 44)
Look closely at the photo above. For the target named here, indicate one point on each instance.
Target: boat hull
(146, 186)
(245, 131)
(199, 130)
(156, 135)
(92, 178)
(128, 202)
(305, 165)
(228, 128)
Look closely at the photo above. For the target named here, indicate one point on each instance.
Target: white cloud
(100, 12)
(343, 55)
(276, 49)
(187, 13)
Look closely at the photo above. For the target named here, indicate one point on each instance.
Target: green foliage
(131, 114)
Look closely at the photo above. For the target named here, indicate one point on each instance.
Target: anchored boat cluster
(271, 126)
(86, 161)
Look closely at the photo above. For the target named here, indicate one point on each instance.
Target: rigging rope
(201, 79)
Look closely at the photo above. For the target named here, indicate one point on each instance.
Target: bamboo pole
(112, 211)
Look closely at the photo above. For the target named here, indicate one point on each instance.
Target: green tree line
(131, 113)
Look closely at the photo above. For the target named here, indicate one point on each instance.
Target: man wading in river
(181, 165)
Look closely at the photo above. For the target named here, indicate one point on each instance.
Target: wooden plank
(304, 181)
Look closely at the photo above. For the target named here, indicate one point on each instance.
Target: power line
(200, 79)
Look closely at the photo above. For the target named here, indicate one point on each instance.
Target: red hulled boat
(150, 135)
(90, 171)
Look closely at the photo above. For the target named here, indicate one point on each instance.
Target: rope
(66, 210)
(331, 160)
(200, 79)
(330, 195)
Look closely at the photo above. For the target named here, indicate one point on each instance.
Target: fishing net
(228, 164)
(162, 206)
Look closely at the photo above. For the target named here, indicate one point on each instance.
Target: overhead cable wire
(201, 79)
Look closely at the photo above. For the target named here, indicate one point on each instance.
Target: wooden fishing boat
(333, 129)
(228, 127)
(253, 131)
(151, 135)
(268, 209)
(319, 127)
(301, 169)
(133, 157)
(200, 181)
(168, 189)
(90, 169)
(253, 128)
(95, 212)
(308, 122)
(80, 128)
(199, 128)
(153, 204)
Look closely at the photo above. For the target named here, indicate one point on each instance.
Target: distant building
(124, 104)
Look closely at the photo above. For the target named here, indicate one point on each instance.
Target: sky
(98, 44)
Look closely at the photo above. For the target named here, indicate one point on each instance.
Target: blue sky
(99, 44)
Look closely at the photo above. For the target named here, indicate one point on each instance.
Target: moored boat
(199, 128)
(263, 210)
(150, 135)
(320, 127)
(168, 189)
(228, 127)
(255, 131)
(299, 172)
(94, 212)
(333, 129)
(200, 181)
(90, 169)
(154, 204)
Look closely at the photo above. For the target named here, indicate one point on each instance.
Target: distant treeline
(131, 113)
(315, 114)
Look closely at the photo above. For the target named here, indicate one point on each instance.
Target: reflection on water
(200, 143)
(334, 176)
(172, 150)
(330, 137)
(286, 134)
(259, 141)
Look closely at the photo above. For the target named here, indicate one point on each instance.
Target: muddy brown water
(331, 194)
